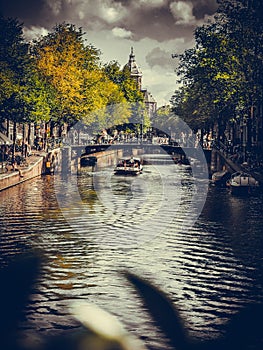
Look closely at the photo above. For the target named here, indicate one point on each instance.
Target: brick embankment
(34, 167)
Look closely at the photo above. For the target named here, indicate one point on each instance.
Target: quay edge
(224, 161)
(36, 167)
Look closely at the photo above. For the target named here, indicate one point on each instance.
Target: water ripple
(209, 270)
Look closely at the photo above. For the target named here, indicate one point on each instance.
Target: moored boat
(128, 166)
(220, 178)
(242, 183)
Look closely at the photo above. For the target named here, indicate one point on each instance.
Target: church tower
(136, 74)
(134, 70)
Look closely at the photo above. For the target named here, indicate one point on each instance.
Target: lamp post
(142, 131)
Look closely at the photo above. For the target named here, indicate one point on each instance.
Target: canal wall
(108, 158)
(21, 174)
(103, 158)
(36, 165)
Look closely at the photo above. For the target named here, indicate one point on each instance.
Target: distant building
(150, 103)
(136, 74)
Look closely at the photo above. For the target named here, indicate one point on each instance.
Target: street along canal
(210, 268)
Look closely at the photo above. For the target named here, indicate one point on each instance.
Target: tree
(220, 75)
(14, 63)
(14, 68)
(243, 22)
(124, 81)
(68, 66)
(73, 70)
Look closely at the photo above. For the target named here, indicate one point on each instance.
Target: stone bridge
(71, 154)
(144, 148)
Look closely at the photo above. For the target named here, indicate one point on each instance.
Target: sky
(155, 29)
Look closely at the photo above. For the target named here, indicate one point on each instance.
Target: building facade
(136, 75)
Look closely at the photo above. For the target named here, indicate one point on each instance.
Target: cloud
(155, 28)
(158, 57)
(55, 6)
(152, 3)
(160, 83)
(160, 20)
(121, 32)
(34, 32)
(108, 11)
(182, 12)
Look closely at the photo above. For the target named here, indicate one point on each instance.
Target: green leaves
(82, 87)
(221, 73)
(14, 64)
(61, 78)
(122, 78)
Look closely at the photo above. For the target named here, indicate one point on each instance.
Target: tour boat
(242, 183)
(128, 166)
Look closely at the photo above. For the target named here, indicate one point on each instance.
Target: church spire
(134, 70)
(136, 75)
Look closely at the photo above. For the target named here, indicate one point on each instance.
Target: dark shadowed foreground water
(209, 269)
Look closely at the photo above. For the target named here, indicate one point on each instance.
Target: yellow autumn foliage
(73, 69)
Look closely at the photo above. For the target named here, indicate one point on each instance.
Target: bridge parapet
(170, 149)
(73, 153)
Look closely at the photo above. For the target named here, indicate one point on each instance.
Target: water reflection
(242, 221)
(210, 269)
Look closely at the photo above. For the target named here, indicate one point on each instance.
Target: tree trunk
(29, 134)
(7, 127)
(45, 137)
(52, 127)
(23, 141)
(14, 142)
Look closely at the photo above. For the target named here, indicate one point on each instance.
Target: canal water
(94, 225)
